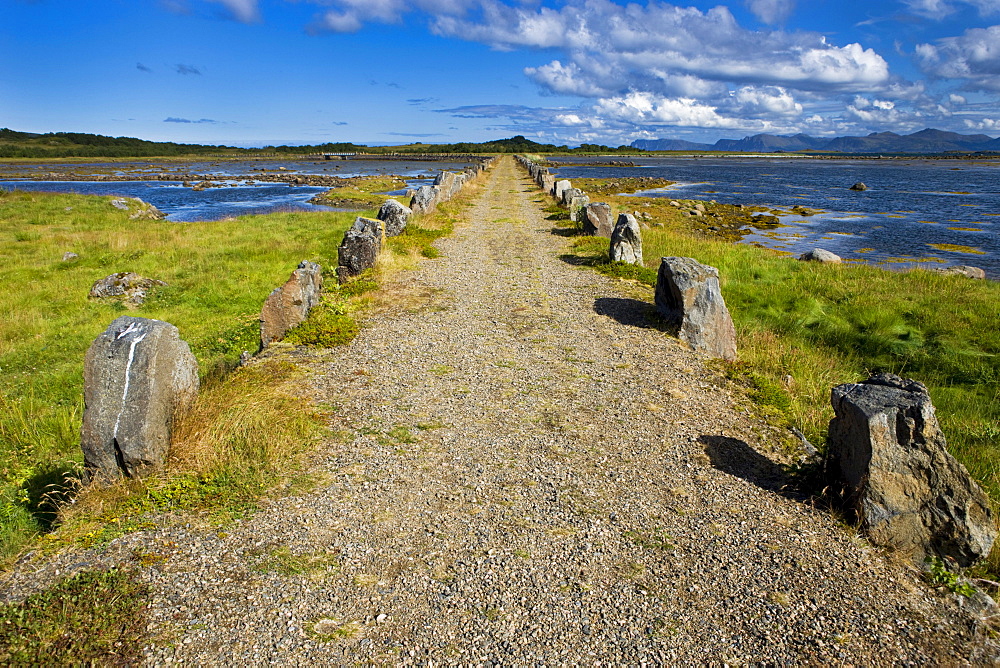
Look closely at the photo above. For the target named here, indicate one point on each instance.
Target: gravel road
(535, 476)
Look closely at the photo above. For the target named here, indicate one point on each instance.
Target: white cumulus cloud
(660, 47)
(973, 57)
(764, 102)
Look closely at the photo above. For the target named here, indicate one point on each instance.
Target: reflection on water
(940, 211)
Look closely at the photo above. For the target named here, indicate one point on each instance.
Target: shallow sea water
(939, 212)
(235, 198)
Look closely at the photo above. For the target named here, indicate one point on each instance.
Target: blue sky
(255, 72)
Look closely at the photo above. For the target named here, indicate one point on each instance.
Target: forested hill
(15, 144)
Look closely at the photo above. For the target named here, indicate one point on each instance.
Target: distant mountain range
(925, 141)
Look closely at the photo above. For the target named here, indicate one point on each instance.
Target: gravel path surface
(535, 476)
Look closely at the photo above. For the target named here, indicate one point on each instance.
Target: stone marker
(448, 181)
(394, 216)
(577, 206)
(138, 376)
(888, 456)
(688, 296)
(568, 194)
(821, 255)
(127, 284)
(360, 248)
(559, 187)
(597, 220)
(288, 305)
(626, 241)
(425, 199)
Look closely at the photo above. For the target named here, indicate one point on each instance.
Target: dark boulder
(688, 296)
(888, 459)
(360, 248)
(597, 220)
(289, 305)
(394, 216)
(626, 241)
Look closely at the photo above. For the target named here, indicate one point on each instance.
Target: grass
(328, 324)
(218, 275)
(92, 618)
(804, 328)
(281, 560)
(243, 437)
(361, 192)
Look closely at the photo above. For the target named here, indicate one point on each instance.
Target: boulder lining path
(534, 475)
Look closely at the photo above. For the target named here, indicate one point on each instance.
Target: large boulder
(559, 187)
(288, 305)
(130, 287)
(394, 217)
(688, 296)
(821, 255)
(425, 199)
(360, 248)
(568, 194)
(626, 241)
(139, 209)
(449, 184)
(963, 270)
(887, 455)
(138, 376)
(597, 220)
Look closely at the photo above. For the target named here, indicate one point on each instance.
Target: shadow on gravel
(735, 457)
(582, 261)
(633, 313)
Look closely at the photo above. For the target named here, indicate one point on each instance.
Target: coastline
(914, 212)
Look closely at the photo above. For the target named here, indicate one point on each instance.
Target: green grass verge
(92, 618)
(218, 275)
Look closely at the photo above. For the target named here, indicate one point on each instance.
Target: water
(184, 204)
(941, 212)
(235, 198)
